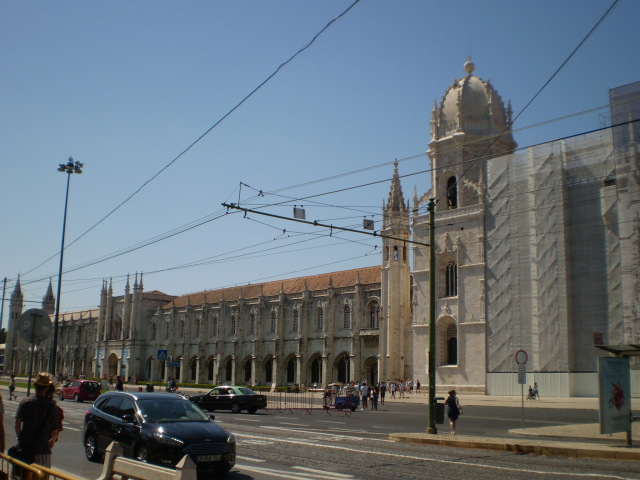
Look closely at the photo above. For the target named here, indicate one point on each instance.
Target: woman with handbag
(37, 423)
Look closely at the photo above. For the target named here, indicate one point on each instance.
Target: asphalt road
(278, 445)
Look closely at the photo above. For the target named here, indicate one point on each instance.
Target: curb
(536, 448)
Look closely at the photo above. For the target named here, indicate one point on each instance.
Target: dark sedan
(158, 428)
(228, 397)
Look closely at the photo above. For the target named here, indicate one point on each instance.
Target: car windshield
(171, 411)
(246, 391)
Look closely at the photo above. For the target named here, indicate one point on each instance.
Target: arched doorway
(316, 371)
(291, 370)
(247, 370)
(343, 368)
(268, 371)
(371, 370)
(112, 365)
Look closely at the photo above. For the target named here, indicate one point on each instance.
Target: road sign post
(34, 326)
(521, 360)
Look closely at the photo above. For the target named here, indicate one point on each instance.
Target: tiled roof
(346, 278)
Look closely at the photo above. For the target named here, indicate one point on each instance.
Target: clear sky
(126, 86)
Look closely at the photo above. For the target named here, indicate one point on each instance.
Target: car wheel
(143, 453)
(91, 447)
(252, 410)
(235, 407)
(353, 409)
(77, 398)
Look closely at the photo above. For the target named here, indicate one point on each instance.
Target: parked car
(158, 428)
(229, 397)
(80, 390)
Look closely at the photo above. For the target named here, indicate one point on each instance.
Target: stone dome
(469, 106)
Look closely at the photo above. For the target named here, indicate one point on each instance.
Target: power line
(224, 117)
(508, 126)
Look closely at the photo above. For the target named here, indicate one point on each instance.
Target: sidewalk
(535, 440)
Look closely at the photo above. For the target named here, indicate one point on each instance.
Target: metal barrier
(117, 466)
(12, 468)
(290, 402)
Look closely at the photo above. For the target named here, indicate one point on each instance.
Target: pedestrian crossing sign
(162, 354)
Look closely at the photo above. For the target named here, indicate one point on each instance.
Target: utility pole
(432, 318)
(4, 289)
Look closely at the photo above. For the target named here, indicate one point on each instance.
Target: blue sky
(125, 87)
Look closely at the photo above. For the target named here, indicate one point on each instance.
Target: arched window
(252, 324)
(451, 280)
(214, 329)
(198, 325)
(233, 324)
(320, 319)
(194, 368)
(273, 322)
(154, 331)
(347, 316)
(451, 342)
(452, 193)
(295, 321)
(182, 322)
(374, 312)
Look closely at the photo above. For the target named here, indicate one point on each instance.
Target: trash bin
(149, 387)
(439, 410)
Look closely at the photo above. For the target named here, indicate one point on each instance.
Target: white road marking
(317, 474)
(251, 459)
(314, 470)
(298, 441)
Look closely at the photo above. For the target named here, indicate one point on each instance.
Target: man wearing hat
(37, 422)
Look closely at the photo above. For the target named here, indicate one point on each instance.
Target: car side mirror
(212, 417)
(129, 418)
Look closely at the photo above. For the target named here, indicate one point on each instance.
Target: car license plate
(209, 458)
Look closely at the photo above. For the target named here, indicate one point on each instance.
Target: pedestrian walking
(365, 395)
(383, 391)
(392, 387)
(37, 423)
(417, 386)
(375, 392)
(454, 410)
(535, 391)
(12, 388)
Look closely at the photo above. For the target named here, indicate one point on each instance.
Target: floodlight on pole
(69, 168)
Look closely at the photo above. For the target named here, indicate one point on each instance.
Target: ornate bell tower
(395, 341)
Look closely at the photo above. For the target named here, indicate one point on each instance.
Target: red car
(80, 390)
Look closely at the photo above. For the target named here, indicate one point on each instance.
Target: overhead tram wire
(224, 117)
(549, 80)
(193, 225)
(300, 199)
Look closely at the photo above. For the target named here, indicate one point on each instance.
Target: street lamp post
(69, 168)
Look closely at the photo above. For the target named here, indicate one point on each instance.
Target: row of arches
(249, 371)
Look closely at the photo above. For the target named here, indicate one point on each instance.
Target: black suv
(158, 428)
